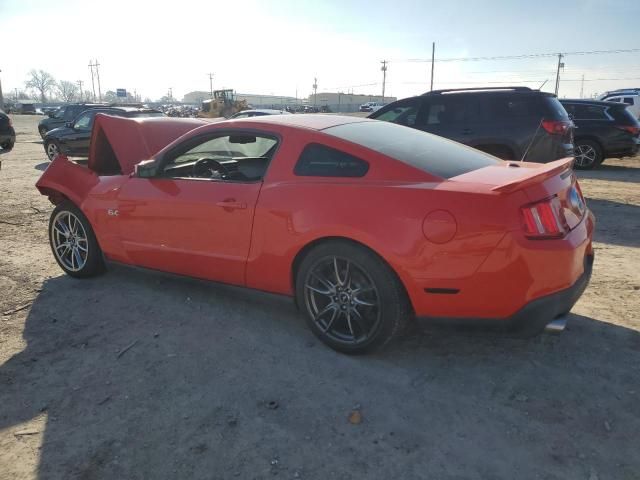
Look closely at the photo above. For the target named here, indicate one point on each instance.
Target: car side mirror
(146, 169)
(69, 124)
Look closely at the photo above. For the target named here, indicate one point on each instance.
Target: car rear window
(623, 116)
(429, 153)
(554, 109)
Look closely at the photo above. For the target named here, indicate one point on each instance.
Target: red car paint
(463, 235)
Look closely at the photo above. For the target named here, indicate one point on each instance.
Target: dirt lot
(223, 383)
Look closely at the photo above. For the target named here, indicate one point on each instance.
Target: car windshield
(429, 153)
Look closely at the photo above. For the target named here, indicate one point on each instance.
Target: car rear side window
(402, 113)
(586, 112)
(429, 153)
(628, 100)
(320, 161)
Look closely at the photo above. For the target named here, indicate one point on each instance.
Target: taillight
(629, 128)
(556, 127)
(542, 219)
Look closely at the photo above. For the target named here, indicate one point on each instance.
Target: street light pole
(433, 61)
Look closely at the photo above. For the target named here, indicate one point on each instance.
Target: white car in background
(630, 96)
(371, 106)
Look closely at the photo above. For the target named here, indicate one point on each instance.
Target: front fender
(65, 179)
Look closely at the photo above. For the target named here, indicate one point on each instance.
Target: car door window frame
(184, 147)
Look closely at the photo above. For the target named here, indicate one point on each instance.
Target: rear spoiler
(532, 176)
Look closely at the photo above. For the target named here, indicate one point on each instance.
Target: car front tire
(52, 149)
(73, 242)
(352, 300)
(588, 154)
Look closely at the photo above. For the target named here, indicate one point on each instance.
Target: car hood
(58, 133)
(124, 142)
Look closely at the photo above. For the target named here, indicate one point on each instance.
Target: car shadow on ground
(614, 173)
(609, 229)
(142, 375)
(42, 166)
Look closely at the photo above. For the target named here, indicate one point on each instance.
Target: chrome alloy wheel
(69, 241)
(52, 151)
(585, 155)
(342, 300)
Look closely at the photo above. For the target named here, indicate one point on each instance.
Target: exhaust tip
(556, 325)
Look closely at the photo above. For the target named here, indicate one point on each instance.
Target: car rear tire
(52, 149)
(7, 145)
(588, 154)
(352, 300)
(73, 243)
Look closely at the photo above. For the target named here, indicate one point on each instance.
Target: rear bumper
(8, 136)
(534, 316)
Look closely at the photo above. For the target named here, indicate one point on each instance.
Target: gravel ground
(138, 375)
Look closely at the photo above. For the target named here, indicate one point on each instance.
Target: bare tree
(42, 82)
(67, 90)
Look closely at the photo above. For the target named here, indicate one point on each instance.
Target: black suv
(73, 139)
(7, 133)
(64, 114)
(512, 123)
(602, 130)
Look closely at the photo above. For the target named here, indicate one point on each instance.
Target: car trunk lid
(551, 191)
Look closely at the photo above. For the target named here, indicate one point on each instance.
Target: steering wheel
(209, 166)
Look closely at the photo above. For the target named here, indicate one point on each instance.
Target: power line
(518, 57)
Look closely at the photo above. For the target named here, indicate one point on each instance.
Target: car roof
(129, 109)
(313, 121)
(270, 111)
(600, 103)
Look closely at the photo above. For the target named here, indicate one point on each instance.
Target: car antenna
(543, 83)
(533, 139)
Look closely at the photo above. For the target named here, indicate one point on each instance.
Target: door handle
(231, 204)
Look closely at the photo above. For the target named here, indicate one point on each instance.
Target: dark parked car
(7, 133)
(602, 130)
(63, 115)
(512, 123)
(73, 139)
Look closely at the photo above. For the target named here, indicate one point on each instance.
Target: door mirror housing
(146, 169)
(69, 124)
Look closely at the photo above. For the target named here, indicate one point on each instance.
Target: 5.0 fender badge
(113, 212)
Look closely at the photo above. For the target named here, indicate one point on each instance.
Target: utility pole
(80, 82)
(433, 62)
(170, 94)
(384, 77)
(211, 84)
(98, 77)
(582, 87)
(560, 65)
(16, 95)
(1, 97)
(93, 83)
(315, 90)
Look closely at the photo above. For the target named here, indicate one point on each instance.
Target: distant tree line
(43, 87)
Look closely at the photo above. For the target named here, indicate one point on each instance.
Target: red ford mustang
(366, 223)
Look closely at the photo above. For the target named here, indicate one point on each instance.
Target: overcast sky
(278, 47)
